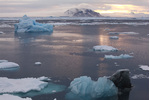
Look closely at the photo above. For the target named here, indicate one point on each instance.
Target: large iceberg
(12, 97)
(84, 86)
(122, 56)
(104, 48)
(28, 25)
(105, 88)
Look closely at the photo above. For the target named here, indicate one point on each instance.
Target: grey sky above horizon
(43, 8)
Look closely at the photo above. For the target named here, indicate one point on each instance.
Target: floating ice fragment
(1, 32)
(113, 37)
(20, 85)
(122, 56)
(5, 25)
(144, 67)
(140, 76)
(55, 99)
(12, 97)
(38, 63)
(104, 48)
(117, 33)
(28, 25)
(8, 65)
(28, 87)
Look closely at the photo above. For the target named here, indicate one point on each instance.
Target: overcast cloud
(114, 8)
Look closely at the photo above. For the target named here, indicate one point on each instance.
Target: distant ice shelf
(122, 56)
(28, 25)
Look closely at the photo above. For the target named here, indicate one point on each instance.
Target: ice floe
(140, 76)
(37, 63)
(12, 97)
(1, 32)
(28, 25)
(85, 87)
(4, 64)
(122, 56)
(104, 48)
(29, 87)
(117, 33)
(144, 67)
(21, 85)
(113, 37)
(5, 25)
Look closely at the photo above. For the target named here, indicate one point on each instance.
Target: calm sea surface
(67, 53)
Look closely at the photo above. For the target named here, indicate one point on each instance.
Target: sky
(45, 8)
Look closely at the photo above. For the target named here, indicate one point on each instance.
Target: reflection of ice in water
(29, 37)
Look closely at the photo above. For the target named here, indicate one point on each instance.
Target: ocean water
(67, 53)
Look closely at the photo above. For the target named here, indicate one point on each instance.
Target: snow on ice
(4, 64)
(12, 97)
(29, 87)
(104, 48)
(28, 25)
(122, 56)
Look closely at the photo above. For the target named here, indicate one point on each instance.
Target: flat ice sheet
(12, 97)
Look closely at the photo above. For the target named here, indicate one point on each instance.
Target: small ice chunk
(113, 33)
(113, 37)
(55, 99)
(43, 78)
(5, 25)
(28, 25)
(106, 29)
(122, 56)
(144, 67)
(104, 48)
(117, 33)
(37, 63)
(54, 91)
(1, 32)
(140, 76)
(84, 86)
(12, 97)
(6, 65)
